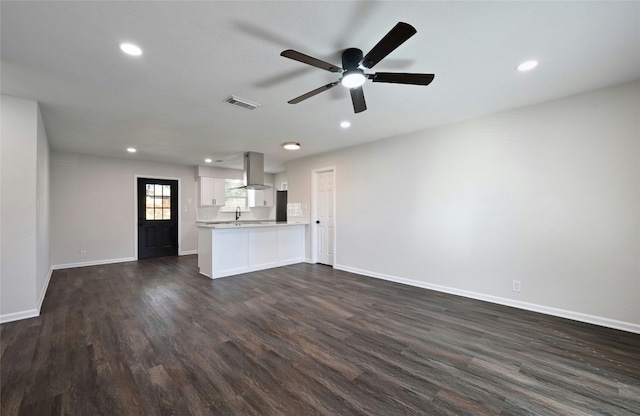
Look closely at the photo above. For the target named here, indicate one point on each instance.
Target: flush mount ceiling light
(527, 66)
(130, 49)
(208, 160)
(353, 78)
(291, 145)
(131, 149)
(345, 124)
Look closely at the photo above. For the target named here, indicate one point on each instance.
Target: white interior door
(325, 217)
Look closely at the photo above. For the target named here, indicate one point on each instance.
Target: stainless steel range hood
(254, 171)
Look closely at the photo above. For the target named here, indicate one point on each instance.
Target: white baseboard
(31, 313)
(188, 252)
(562, 313)
(16, 316)
(44, 289)
(91, 263)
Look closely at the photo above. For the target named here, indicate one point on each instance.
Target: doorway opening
(157, 210)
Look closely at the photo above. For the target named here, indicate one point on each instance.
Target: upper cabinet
(261, 198)
(211, 191)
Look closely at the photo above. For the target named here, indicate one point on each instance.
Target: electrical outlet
(515, 285)
(83, 253)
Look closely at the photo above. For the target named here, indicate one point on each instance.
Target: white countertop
(246, 224)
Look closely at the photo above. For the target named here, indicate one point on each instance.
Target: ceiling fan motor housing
(351, 58)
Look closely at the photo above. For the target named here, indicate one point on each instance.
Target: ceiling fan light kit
(353, 62)
(353, 78)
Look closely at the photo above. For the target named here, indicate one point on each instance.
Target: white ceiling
(169, 102)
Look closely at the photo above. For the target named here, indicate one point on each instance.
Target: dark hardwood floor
(155, 338)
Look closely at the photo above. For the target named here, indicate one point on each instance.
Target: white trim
(44, 289)
(17, 316)
(547, 310)
(313, 232)
(91, 263)
(135, 209)
(187, 252)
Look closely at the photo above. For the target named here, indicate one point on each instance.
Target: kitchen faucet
(238, 213)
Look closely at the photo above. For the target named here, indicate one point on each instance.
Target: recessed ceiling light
(291, 145)
(208, 160)
(130, 49)
(345, 124)
(131, 149)
(526, 66)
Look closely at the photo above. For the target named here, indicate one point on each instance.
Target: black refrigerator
(281, 206)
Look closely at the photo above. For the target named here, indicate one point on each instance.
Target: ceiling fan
(354, 63)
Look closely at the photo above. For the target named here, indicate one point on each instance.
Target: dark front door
(157, 218)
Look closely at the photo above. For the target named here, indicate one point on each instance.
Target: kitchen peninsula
(230, 248)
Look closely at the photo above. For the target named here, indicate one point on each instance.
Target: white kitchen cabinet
(212, 191)
(261, 198)
(268, 197)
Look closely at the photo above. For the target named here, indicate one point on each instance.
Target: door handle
(318, 222)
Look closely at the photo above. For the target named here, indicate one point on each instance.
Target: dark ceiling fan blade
(357, 96)
(314, 92)
(396, 37)
(309, 60)
(402, 78)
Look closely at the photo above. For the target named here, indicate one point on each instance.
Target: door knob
(318, 222)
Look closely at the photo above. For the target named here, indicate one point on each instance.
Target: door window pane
(158, 202)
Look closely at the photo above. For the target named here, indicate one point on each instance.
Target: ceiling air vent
(241, 102)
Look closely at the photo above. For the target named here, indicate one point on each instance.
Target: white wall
(278, 179)
(92, 207)
(24, 209)
(43, 258)
(548, 195)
